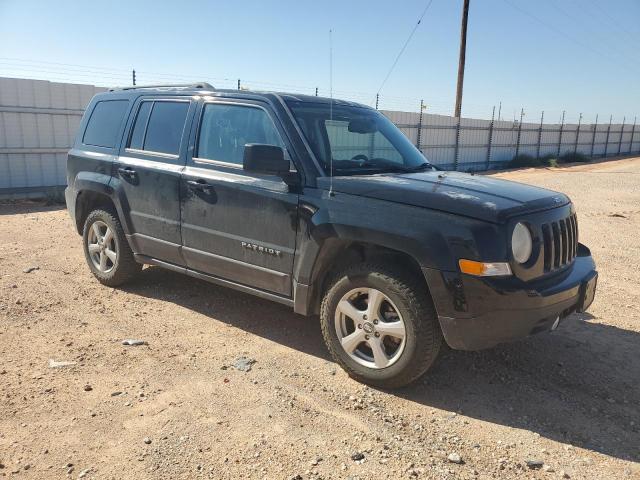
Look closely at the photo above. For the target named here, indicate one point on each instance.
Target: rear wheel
(380, 325)
(106, 249)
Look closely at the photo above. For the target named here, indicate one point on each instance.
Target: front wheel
(380, 325)
(106, 249)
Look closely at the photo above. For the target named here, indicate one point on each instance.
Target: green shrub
(549, 160)
(574, 157)
(524, 160)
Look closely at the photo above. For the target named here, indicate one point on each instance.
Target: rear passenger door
(237, 225)
(148, 174)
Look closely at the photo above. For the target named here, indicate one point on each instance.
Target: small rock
(87, 388)
(146, 440)
(84, 473)
(548, 468)
(564, 474)
(454, 458)
(116, 394)
(534, 464)
(131, 342)
(31, 269)
(243, 364)
(356, 457)
(55, 364)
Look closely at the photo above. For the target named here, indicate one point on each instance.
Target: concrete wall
(38, 122)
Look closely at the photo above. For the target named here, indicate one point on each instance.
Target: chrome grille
(560, 242)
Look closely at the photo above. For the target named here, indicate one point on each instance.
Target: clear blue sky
(573, 55)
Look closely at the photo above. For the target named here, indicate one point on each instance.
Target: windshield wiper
(420, 168)
(380, 167)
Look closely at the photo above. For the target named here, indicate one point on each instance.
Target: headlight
(521, 243)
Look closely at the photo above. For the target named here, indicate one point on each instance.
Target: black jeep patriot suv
(325, 206)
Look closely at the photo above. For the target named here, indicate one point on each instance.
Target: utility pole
(463, 51)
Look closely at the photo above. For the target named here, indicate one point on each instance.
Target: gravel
(530, 400)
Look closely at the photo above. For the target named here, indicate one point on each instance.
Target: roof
(202, 88)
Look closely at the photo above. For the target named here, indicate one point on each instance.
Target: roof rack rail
(170, 85)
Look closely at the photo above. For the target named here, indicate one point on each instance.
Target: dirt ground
(177, 407)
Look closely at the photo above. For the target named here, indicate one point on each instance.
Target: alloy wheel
(102, 248)
(370, 328)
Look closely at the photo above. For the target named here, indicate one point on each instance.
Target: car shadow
(578, 385)
(25, 207)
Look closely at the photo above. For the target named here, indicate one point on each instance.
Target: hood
(490, 199)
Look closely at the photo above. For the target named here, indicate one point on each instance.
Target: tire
(404, 360)
(118, 268)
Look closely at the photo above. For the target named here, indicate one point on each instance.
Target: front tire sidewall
(384, 376)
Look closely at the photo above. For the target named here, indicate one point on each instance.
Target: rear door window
(159, 126)
(104, 123)
(140, 127)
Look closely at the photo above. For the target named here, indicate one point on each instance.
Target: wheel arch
(336, 254)
(94, 192)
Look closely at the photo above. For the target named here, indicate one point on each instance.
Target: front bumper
(480, 312)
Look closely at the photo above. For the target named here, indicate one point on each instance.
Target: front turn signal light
(484, 269)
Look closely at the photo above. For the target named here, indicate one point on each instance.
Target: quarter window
(104, 123)
(226, 129)
(159, 126)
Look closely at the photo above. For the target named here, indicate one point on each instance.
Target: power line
(616, 22)
(565, 35)
(395, 62)
(604, 39)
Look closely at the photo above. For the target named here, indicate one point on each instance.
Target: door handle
(199, 185)
(126, 172)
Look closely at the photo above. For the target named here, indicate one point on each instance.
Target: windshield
(358, 139)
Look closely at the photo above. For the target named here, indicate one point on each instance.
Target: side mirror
(265, 159)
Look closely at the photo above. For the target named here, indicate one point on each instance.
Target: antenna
(331, 194)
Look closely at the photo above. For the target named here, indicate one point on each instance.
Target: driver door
(237, 225)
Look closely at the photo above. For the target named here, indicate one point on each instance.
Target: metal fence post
(133, 75)
(519, 132)
(606, 143)
(621, 134)
(377, 98)
(238, 84)
(593, 139)
(316, 91)
(457, 148)
(633, 133)
(490, 140)
(575, 146)
(420, 124)
(560, 136)
(539, 135)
